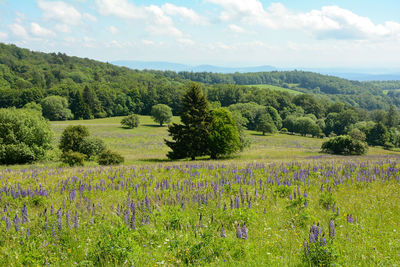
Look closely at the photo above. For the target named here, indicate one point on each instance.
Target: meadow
(253, 209)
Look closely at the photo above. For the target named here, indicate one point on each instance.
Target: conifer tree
(190, 139)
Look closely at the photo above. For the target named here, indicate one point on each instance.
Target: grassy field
(276, 88)
(254, 209)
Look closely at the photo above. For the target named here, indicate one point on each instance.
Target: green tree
(25, 136)
(190, 139)
(72, 138)
(56, 108)
(378, 135)
(161, 113)
(265, 124)
(131, 121)
(223, 134)
(393, 117)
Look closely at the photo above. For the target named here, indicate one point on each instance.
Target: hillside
(27, 76)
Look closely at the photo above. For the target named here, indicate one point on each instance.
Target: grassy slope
(145, 144)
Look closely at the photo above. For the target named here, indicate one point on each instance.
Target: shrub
(73, 158)
(131, 121)
(108, 157)
(284, 131)
(72, 138)
(25, 136)
(344, 145)
(91, 146)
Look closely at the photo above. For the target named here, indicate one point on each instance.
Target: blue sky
(287, 33)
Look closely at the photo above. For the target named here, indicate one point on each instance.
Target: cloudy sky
(286, 33)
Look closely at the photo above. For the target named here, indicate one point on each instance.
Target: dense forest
(65, 87)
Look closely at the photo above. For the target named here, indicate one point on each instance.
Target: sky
(287, 33)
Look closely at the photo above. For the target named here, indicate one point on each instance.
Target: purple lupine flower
(231, 203)
(337, 212)
(59, 220)
(223, 234)
(331, 228)
(76, 220)
(238, 232)
(244, 231)
(323, 241)
(132, 222)
(28, 233)
(24, 213)
(311, 237)
(16, 223)
(8, 224)
(68, 218)
(306, 247)
(305, 194)
(305, 203)
(46, 225)
(237, 203)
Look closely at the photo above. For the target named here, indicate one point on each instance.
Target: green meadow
(253, 209)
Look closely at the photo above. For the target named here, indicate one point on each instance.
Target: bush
(132, 121)
(91, 146)
(72, 138)
(25, 136)
(344, 145)
(73, 158)
(284, 131)
(108, 157)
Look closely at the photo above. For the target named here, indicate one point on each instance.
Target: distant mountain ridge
(164, 66)
(170, 66)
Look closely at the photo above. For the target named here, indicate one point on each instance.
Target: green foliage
(344, 145)
(161, 114)
(131, 121)
(223, 134)
(56, 108)
(34, 106)
(25, 136)
(265, 124)
(190, 139)
(108, 157)
(73, 158)
(378, 135)
(91, 146)
(72, 138)
(318, 255)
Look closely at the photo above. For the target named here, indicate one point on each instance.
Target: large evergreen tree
(190, 139)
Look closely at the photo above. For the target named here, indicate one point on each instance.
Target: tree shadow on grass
(154, 125)
(155, 160)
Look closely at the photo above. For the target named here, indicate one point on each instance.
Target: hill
(27, 76)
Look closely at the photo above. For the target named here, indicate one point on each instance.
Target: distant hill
(169, 66)
(356, 75)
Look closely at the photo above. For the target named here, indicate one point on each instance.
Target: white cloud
(19, 30)
(3, 35)
(186, 41)
(155, 18)
(113, 30)
(60, 11)
(90, 17)
(62, 28)
(236, 28)
(186, 13)
(330, 22)
(147, 42)
(40, 31)
(89, 42)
